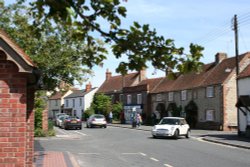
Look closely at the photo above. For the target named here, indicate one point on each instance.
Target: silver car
(96, 120)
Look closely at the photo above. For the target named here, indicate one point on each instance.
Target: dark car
(72, 122)
(96, 120)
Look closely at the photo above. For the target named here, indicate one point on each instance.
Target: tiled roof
(245, 73)
(78, 93)
(14, 46)
(115, 82)
(152, 83)
(58, 95)
(210, 75)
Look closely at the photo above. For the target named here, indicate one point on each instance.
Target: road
(118, 147)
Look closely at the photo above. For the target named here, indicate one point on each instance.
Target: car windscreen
(169, 121)
(99, 116)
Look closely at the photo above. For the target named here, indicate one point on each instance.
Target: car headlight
(154, 128)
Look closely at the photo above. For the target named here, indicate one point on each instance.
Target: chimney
(142, 75)
(108, 74)
(219, 57)
(88, 87)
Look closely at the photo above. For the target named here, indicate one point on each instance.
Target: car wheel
(188, 134)
(176, 134)
(154, 136)
(80, 128)
(105, 126)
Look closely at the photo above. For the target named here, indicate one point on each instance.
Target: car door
(183, 127)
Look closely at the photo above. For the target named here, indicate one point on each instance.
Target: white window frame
(139, 98)
(210, 115)
(121, 97)
(159, 97)
(129, 99)
(210, 91)
(80, 101)
(170, 96)
(184, 95)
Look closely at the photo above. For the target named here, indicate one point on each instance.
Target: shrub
(39, 132)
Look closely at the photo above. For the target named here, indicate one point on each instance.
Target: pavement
(62, 159)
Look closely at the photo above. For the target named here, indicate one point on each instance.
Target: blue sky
(207, 23)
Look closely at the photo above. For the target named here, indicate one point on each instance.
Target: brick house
(244, 101)
(138, 97)
(18, 81)
(209, 95)
(113, 85)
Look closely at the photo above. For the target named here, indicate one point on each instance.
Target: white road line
(62, 131)
(80, 133)
(143, 154)
(89, 153)
(156, 160)
(167, 165)
(130, 153)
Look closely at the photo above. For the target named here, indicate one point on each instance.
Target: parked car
(57, 118)
(171, 127)
(96, 120)
(61, 120)
(72, 122)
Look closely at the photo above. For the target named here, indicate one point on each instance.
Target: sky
(207, 23)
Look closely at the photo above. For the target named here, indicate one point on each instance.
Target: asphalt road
(118, 147)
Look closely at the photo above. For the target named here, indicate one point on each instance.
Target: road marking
(62, 131)
(167, 165)
(80, 133)
(143, 154)
(130, 153)
(156, 160)
(89, 153)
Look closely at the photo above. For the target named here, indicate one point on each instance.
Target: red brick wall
(16, 132)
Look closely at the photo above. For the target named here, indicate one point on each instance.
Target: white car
(171, 127)
(96, 120)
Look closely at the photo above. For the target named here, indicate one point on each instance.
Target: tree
(139, 43)
(66, 31)
(116, 109)
(102, 104)
(57, 56)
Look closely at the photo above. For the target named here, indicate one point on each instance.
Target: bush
(50, 125)
(51, 132)
(88, 112)
(39, 133)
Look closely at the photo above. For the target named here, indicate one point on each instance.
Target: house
(79, 100)
(138, 98)
(207, 99)
(244, 101)
(113, 85)
(19, 79)
(56, 103)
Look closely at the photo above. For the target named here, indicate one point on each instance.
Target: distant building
(78, 101)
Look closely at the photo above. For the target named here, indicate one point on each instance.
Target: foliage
(57, 55)
(116, 110)
(88, 112)
(38, 118)
(39, 132)
(176, 111)
(70, 32)
(102, 104)
(191, 110)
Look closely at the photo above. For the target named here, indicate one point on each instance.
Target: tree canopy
(63, 36)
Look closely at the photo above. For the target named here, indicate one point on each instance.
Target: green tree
(102, 104)
(116, 109)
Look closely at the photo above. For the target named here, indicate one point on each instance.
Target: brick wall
(16, 132)
(45, 120)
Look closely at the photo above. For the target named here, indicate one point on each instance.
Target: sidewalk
(226, 138)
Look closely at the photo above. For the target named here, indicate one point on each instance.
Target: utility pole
(235, 28)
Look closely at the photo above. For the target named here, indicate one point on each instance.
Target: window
(121, 98)
(209, 115)
(73, 102)
(67, 103)
(184, 95)
(170, 96)
(158, 97)
(195, 94)
(210, 91)
(129, 99)
(56, 102)
(139, 99)
(80, 101)
(112, 98)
